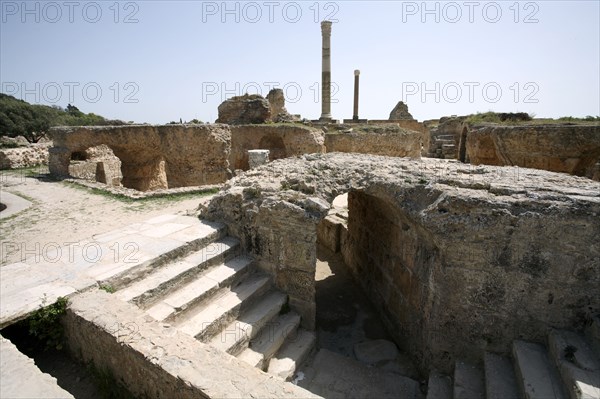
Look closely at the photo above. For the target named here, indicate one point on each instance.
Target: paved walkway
(51, 271)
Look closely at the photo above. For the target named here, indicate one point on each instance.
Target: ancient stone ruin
(400, 112)
(476, 245)
(558, 148)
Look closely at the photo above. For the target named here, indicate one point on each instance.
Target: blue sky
(157, 61)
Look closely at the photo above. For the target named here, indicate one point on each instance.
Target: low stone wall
(573, 149)
(390, 140)
(458, 260)
(154, 361)
(24, 157)
(152, 157)
(282, 141)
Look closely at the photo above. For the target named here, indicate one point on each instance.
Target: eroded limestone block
(249, 108)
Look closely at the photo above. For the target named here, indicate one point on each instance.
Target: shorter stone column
(257, 158)
(355, 113)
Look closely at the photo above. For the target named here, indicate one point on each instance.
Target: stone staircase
(213, 292)
(567, 367)
(442, 146)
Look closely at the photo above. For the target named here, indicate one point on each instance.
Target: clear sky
(158, 61)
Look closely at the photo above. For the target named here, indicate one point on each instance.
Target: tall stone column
(355, 113)
(326, 73)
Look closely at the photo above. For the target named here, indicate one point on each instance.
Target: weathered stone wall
(390, 140)
(24, 157)
(154, 361)
(282, 141)
(152, 157)
(394, 260)
(457, 259)
(409, 125)
(573, 149)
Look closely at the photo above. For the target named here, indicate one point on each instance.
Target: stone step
(272, 336)
(500, 380)
(168, 307)
(164, 279)
(592, 332)
(537, 378)
(292, 354)
(445, 137)
(209, 318)
(444, 141)
(468, 381)
(235, 337)
(439, 386)
(576, 362)
(448, 147)
(154, 243)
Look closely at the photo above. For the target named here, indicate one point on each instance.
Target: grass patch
(505, 118)
(108, 288)
(43, 328)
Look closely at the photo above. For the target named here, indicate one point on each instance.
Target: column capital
(326, 27)
(356, 72)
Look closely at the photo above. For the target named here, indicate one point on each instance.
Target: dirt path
(63, 212)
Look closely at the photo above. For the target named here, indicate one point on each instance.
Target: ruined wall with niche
(282, 141)
(152, 157)
(457, 261)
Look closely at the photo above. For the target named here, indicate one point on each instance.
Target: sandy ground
(63, 213)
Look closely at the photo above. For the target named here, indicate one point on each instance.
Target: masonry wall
(390, 255)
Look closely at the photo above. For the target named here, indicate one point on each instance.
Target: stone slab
(535, 374)
(14, 204)
(21, 378)
(292, 354)
(500, 380)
